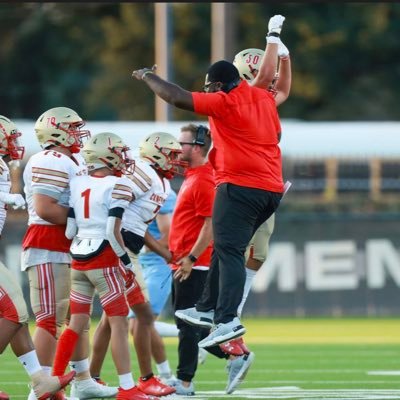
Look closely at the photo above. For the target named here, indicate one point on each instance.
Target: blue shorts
(158, 278)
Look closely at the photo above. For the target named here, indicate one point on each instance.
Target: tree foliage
(344, 57)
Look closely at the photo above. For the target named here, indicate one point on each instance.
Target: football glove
(274, 28)
(283, 51)
(16, 200)
(275, 24)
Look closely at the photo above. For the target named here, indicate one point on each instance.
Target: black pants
(237, 214)
(185, 295)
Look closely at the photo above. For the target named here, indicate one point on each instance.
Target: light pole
(163, 30)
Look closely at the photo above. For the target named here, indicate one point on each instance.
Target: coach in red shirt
(190, 241)
(247, 161)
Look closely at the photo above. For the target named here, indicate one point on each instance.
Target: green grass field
(295, 359)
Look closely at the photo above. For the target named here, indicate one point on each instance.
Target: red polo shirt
(245, 129)
(194, 202)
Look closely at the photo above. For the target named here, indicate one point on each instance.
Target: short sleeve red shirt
(194, 202)
(245, 129)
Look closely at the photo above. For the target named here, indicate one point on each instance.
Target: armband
(116, 212)
(125, 259)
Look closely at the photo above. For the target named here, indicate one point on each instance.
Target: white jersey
(49, 172)
(154, 191)
(5, 186)
(93, 197)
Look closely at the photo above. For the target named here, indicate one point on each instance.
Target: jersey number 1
(86, 195)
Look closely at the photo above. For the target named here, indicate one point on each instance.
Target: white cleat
(90, 389)
(202, 356)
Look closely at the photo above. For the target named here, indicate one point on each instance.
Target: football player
(159, 163)
(45, 254)
(97, 204)
(13, 311)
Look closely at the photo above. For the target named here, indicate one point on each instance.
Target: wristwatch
(192, 258)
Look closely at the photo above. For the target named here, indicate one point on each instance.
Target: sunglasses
(207, 86)
(189, 143)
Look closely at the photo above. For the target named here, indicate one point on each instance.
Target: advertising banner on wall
(330, 265)
(318, 265)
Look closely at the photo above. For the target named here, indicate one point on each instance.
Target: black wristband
(125, 259)
(274, 34)
(192, 258)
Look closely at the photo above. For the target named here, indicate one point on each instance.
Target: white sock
(164, 368)
(126, 381)
(30, 362)
(250, 274)
(46, 370)
(79, 366)
(166, 330)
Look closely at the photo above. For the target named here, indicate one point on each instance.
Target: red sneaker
(60, 395)
(132, 394)
(4, 396)
(154, 387)
(241, 343)
(232, 347)
(46, 386)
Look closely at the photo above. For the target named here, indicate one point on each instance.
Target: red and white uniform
(48, 172)
(98, 269)
(45, 253)
(153, 191)
(5, 186)
(12, 303)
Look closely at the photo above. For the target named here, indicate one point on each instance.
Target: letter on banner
(330, 265)
(281, 263)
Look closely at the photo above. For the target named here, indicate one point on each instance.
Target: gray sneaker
(182, 390)
(223, 333)
(197, 318)
(237, 370)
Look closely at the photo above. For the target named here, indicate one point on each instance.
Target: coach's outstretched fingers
(139, 74)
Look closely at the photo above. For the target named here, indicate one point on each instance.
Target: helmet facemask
(10, 146)
(126, 165)
(172, 164)
(75, 135)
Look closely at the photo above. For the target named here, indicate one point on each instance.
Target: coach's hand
(185, 269)
(139, 74)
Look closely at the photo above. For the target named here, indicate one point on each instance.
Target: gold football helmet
(248, 63)
(162, 151)
(108, 150)
(61, 126)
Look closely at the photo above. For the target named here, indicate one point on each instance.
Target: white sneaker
(32, 395)
(222, 333)
(197, 318)
(237, 371)
(166, 378)
(90, 389)
(202, 356)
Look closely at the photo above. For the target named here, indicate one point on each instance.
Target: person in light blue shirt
(156, 271)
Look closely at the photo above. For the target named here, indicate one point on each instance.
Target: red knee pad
(135, 296)
(79, 308)
(117, 307)
(48, 324)
(7, 309)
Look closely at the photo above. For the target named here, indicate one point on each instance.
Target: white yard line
(383, 373)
